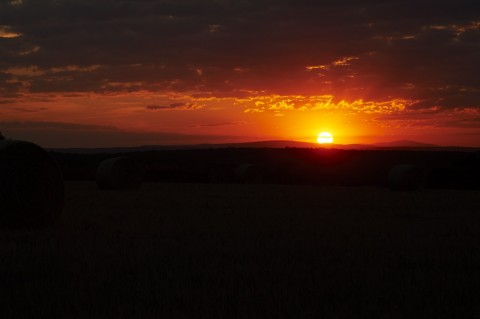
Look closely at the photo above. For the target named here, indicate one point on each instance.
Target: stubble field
(248, 251)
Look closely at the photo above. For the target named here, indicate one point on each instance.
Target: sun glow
(325, 138)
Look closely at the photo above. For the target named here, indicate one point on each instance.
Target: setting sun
(325, 138)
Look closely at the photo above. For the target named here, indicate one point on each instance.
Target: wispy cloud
(222, 124)
(321, 102)
(176, 106)
(7, 33)
(30, 110)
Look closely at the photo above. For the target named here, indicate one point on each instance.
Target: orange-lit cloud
(7, 33)
(321, 102)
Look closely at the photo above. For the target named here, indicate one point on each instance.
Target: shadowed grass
(248, 251)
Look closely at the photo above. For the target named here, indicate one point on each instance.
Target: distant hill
(404, 143)
(259, 144)
(395, 145)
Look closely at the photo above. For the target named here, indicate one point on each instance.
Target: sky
(100, 73)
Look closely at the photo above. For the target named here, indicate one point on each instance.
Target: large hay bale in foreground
(249, 173)
(31, 186)
(119, 173)
(405, 177)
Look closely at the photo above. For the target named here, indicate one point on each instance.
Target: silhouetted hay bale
(31, 186)
(249, 173)
(405, 177)
(119, 173)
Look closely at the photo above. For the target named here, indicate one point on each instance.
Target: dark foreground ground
(248, 251)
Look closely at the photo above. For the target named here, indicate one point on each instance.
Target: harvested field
(248, 251)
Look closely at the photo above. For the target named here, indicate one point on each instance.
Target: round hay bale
(31, 186)
(405, 177)
(249, 173)
(119, 173)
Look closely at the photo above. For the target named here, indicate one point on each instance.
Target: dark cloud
(463, 123)
(29, 110)
(218, 124)
(175, 106)
(402, 49)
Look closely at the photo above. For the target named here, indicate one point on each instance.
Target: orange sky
(162, 72)
(220, 120)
